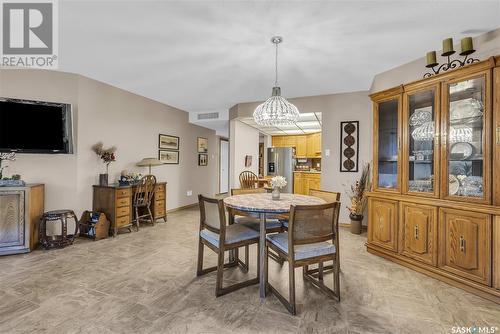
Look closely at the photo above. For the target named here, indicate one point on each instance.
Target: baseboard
(189, 206)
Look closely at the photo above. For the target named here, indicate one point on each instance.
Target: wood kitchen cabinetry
(306, 146)
(304, 181)
(435, 203)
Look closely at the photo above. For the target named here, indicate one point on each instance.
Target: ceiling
(307, 123)
(210, 55)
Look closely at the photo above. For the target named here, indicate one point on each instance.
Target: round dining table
(263, 204)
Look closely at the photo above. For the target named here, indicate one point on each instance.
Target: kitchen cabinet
(304, 181)
(306, 146)
(301, 146)
(383, 223)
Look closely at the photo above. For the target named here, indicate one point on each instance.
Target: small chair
(221, 238)
(311, 238)
(248, 180)
(142, 199)
(62, 240)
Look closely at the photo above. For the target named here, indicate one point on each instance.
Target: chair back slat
(212, 215)
(248, 179)
(328, 196)
(145, 190)
(313, 223)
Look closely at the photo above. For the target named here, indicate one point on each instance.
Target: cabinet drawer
(419, 232)
(123, 211)
(124, 201)
(159, 195)
(159, 205)
(160, 187)
(382, 223)
(465, 244)
(122, 221)
(159, 212)
(123, 192)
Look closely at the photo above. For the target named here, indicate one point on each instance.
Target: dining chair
(142, 199)
(219, 237)
(252, 221)
(327, 196)
(312, 238)
(248, 179)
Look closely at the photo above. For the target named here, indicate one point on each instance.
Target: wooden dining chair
(252, 221)
(312, 238)
(142, 200)
(327, 196)
(219, 237)
(248, 179)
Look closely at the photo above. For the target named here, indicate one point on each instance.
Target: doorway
(224, 166)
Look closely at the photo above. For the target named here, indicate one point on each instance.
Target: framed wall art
(168, 157)
(202, 145)
(166, 142)
(202, 159)
(349, 146)
(248, 161)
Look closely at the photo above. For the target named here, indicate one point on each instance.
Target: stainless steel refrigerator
(281, 161)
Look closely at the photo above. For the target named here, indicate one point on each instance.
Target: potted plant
(357, 195)
(277, 183)
(107, 156)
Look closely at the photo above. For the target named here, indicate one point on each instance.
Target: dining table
(262, 204)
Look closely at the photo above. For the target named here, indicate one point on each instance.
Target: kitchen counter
(308, 171)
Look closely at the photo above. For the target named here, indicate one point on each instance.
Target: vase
(356, 221)
(103, 179)
(276, 194)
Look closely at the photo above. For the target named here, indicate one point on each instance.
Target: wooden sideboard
(116, 202)
(435, 204)
(20, 211)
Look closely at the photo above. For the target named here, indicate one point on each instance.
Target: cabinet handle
(416, 232)
(498, 135)
(462, 244)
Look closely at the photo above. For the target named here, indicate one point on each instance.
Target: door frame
(221, 139)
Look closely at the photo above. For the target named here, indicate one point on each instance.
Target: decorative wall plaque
(349, 146)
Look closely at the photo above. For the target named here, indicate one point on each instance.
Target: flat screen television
(35, 126)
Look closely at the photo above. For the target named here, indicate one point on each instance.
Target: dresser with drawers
(116, 203)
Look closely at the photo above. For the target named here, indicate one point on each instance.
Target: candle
(431, 59)
(447, 47)
(467, 47)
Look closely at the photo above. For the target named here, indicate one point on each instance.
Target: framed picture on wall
(168, 157)
(248, 160)
(202, 159)
(349, 146)
(202, 145)
(166, 142)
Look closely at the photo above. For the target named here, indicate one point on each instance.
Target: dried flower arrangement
(357, 194)
(107, 155)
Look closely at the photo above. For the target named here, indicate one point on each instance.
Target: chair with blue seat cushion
(312, 238)
(251, 220)
(216, 235)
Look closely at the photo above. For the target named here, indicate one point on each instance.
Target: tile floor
(145, 282)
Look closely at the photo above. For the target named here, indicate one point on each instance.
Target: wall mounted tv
(35, 127)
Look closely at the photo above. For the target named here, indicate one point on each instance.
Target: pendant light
(276, 110)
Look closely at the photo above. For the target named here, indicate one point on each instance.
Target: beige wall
(116, 117)
(487, 45)
(243, 141)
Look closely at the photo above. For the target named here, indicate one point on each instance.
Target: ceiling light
(276, 110)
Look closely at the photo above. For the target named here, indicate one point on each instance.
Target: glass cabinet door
(387, 156)
(421, 121)
(466, 134)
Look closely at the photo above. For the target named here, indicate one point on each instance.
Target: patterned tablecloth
(265, 204)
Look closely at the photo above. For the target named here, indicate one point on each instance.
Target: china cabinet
(435, 203)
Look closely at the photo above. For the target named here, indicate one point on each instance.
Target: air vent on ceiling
(208, 115)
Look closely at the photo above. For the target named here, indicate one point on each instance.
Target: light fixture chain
(276, 67)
